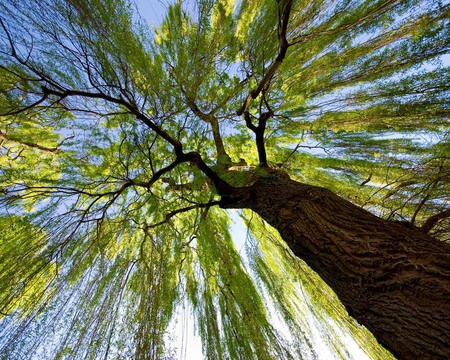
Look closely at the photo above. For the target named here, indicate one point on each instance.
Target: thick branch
(119, 101)
(222, 155)
(221, 185)
(264, 83)
(433, 220)
(284, 45)
(259, 134)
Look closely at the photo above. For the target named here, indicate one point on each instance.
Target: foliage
(118, 140)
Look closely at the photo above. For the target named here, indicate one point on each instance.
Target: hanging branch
(434, 185)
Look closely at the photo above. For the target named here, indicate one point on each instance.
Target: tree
(123, 146)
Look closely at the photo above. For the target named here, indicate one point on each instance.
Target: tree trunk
(393, 279)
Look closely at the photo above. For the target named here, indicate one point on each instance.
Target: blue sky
(152, 10)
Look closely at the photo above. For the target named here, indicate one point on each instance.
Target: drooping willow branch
(4, 136)
(29, 144)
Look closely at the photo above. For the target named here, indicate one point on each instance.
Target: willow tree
(123, 146)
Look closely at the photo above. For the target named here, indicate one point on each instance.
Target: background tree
(122, 146)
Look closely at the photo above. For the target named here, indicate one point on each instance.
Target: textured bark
(393, 279)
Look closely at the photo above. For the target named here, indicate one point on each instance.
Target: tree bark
(393, 279)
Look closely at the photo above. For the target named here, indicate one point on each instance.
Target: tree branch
(221, 185)
(433, 220)
(157, 175)
(222, 155)
(62, 93)
(283, 18)
(4, 136)
(259, 134)
(16, 112)
(179, 211)
(434, 185)
(10, 40)
(284, 15)
(119, 101)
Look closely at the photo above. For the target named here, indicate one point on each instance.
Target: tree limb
(16, 112)
(222, 155)
(259, 134)
(433, 220)
(185, 209)
(62, 93)
(4, 136)
(284, 45)
(119, 101)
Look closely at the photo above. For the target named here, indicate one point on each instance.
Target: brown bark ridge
(393, 279)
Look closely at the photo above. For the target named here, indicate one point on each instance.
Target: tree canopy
(118, 140)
